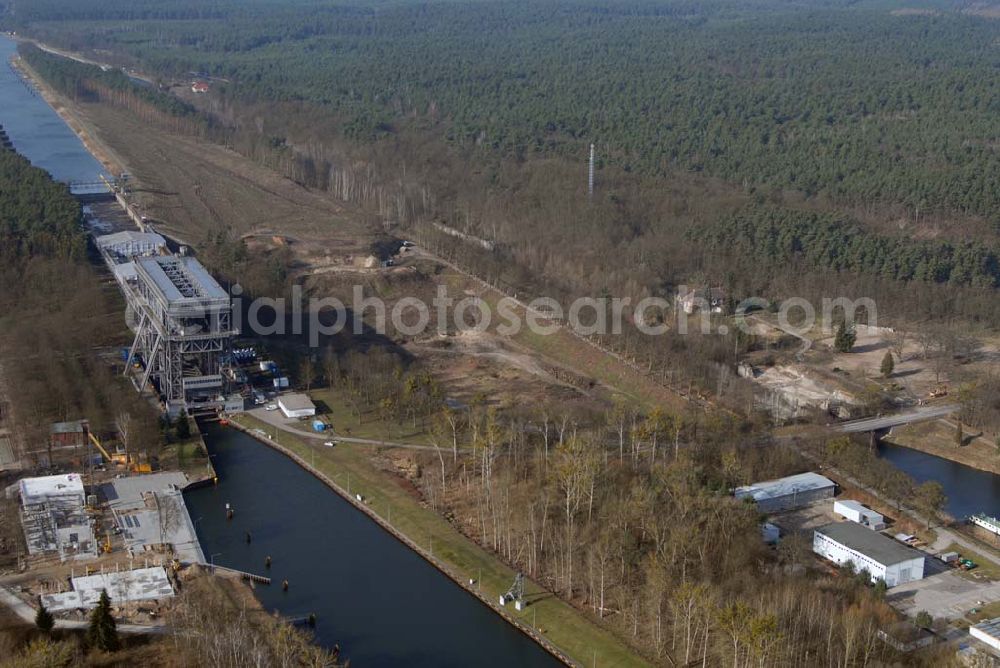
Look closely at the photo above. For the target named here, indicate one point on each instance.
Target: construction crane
(122, 459)
(100, 448)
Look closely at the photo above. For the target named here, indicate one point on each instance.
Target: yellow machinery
(97, 444)
(120, 459)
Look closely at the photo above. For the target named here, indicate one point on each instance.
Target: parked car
(271, 407)
(329, 444)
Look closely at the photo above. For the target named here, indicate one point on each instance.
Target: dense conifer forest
(38, 217)
(737, 142)
(850, 100)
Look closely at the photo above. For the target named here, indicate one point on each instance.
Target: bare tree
(124, 424)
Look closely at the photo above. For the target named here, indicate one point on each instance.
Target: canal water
(381, 602)
(36, 130)
(969, 490)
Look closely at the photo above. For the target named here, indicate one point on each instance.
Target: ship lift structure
(184, 329)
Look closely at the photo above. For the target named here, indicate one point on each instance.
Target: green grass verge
(334, 408)
(348, 466)
(187, 456)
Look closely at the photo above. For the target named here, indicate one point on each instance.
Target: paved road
(888, 421)
(279, 421)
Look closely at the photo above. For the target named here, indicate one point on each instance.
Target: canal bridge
(97, 190)
(886, 422)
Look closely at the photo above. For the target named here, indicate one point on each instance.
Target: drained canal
(380, 601)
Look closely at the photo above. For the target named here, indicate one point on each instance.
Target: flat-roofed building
(54, 516)
(988, 633)
(883, 558)
(856, 512)
(296, 406)
(793, 491)
(67, 487)
(131, 243)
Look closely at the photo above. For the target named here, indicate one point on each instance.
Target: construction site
(130, 535)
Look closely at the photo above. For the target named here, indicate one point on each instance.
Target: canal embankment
(371, 594)
(94, 146)
(398, 510)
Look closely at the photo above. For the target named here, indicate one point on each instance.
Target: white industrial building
(856, 512)
(54, 516)
(296, 406)
(988, 633)
(67, 487)
(882, 557)
(786, 493)
(123, 587)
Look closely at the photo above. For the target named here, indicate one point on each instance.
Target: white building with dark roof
(883, 558)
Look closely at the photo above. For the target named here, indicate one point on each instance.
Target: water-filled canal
(969, 490)
(380, 601)
(37, 132)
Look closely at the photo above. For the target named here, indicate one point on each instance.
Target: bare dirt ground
(472, 363)
(192, 187)
(820, 374)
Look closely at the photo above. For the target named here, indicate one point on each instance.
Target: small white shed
(856, 512)
(296, 406)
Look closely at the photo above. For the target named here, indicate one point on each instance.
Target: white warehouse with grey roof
(787, 493)
(882, 557)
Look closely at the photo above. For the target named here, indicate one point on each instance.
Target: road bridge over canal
(884, 422)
